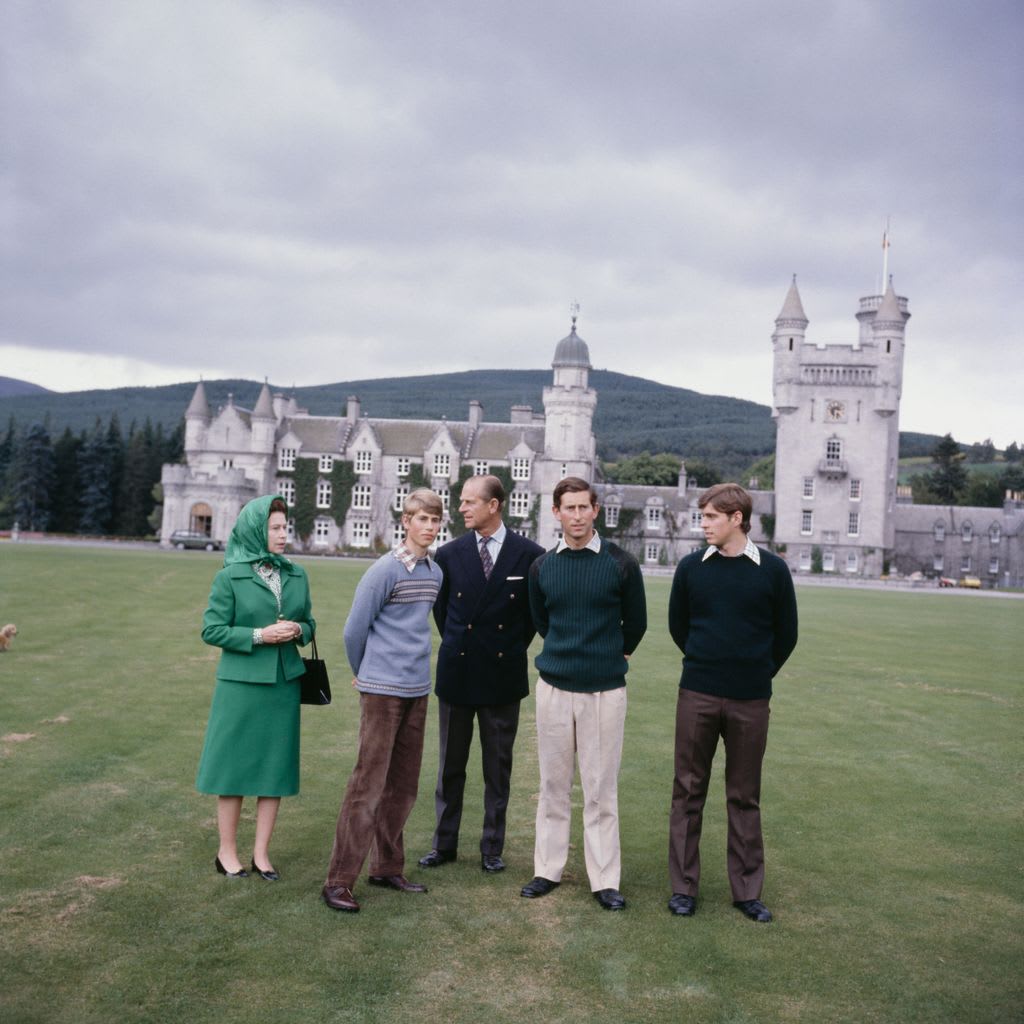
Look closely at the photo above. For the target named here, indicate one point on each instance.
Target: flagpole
(885, 256)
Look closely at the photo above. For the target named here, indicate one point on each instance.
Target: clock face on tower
(835, 411)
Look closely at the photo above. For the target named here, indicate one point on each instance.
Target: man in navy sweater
(483, 615)
(732, 612)
(587, 600)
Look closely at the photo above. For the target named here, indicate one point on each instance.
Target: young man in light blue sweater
(387, 640)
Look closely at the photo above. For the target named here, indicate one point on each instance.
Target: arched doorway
(201, 519)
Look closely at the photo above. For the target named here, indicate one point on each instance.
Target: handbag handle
(313, 642)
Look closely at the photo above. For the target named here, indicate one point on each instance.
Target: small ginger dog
(7, 634)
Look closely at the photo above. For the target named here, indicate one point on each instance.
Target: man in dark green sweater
(587, 602)
(732, 612)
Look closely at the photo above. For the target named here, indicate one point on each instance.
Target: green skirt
(252, 740)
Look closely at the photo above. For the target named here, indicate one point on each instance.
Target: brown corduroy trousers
(381, 790)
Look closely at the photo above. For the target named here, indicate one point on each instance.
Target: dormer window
(967, 533)
(364, 462)
(442, 465)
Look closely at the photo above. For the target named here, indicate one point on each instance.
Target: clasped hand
(281, 632)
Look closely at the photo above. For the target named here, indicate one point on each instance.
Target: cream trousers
(589, 725)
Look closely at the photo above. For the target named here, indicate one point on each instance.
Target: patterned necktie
(485, 557)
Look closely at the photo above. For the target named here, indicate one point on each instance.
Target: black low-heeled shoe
(267, 876)
(240, 873)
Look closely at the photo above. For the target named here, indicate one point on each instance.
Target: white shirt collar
(594, 544)
(750, 551)
(497, 538)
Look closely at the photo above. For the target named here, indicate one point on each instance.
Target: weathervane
(574, 311)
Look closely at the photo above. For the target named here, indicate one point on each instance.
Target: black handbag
(315, 686)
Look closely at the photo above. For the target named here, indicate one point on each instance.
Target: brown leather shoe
(399, 882)
(339, 897)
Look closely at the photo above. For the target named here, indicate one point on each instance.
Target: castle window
(401, 493)
(806, 521)
(443, 536)
(994, 533)
(854, 490)
(286, 458)
(940, 532)
(993, 565)
(286, 488)
(651, 552)
(291, 531)
(442, 465)
(833, 449)
(364, 462)
(851, 561)
(403, 465)
(227, 463)
(695, 517)
(805, 559)
(611, 516)
(321, 532)
(828, 561)
(564, 471)
(853, 525)
(397, 533)
(808, 486)
(326, 463)
(938, 562)
(481, 468)
(361, 496)
(360, 534)
(888, 346)
(965, 563)
(445, 495)
(654, 517)
(967, 533)
(790, 344)
(520, 469)
(519, 503)
(323, 494)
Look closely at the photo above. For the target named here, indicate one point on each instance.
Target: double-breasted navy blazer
(485, 624)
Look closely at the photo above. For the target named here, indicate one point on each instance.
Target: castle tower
(836, 408)
(264, 423)
(569, 444)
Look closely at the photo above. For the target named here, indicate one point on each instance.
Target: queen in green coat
(259, 613)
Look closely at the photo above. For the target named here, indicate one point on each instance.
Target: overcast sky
(321, 190)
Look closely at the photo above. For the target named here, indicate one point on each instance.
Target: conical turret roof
(199, 407)
(264, 404)
(792, 308)
(889, 311)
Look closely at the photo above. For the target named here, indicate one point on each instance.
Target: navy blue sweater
(734, 621)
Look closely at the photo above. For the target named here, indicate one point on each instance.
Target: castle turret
(197, 419)
(264, 423)
(569, 403)
(787, 339)
(887, 333)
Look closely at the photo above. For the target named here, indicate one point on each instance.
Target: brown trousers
(743, 725)
(381, 790)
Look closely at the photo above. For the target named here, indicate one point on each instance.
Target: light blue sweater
(387, 633)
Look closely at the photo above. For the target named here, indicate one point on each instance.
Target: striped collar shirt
(496, 540)
(407, 558)
(750, 551)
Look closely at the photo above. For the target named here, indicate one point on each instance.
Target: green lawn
(892, 811)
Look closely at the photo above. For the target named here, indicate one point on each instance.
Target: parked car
(971, 582)
(945, 581)
(183, 539)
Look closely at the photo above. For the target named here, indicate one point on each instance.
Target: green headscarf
(248, 540)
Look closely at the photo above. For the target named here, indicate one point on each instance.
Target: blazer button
(470, 626)
(500, 655)
(459, 594)
(500, 626)
(462, 654)
(512, 597)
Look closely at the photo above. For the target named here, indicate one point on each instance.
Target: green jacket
(240, 602)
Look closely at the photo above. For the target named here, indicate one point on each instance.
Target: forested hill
(9, 386)
(633, 414)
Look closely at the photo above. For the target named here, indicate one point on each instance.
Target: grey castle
(836, 507)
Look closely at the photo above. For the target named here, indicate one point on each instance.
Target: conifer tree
(96, 497)
(30, 478)
(948, 480)
(64, 509)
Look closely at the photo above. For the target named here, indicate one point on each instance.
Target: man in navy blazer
(483, 615)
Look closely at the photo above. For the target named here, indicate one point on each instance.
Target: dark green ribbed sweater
(590, 609)
(734, 621)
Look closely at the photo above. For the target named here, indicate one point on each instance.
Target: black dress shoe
(754, 909)
(610, 899)
(240, 873)
(399, 882)
(537, 887)
(339, 897)
(491, 862)
(436, 858)
(268, 876)
(683, 905)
